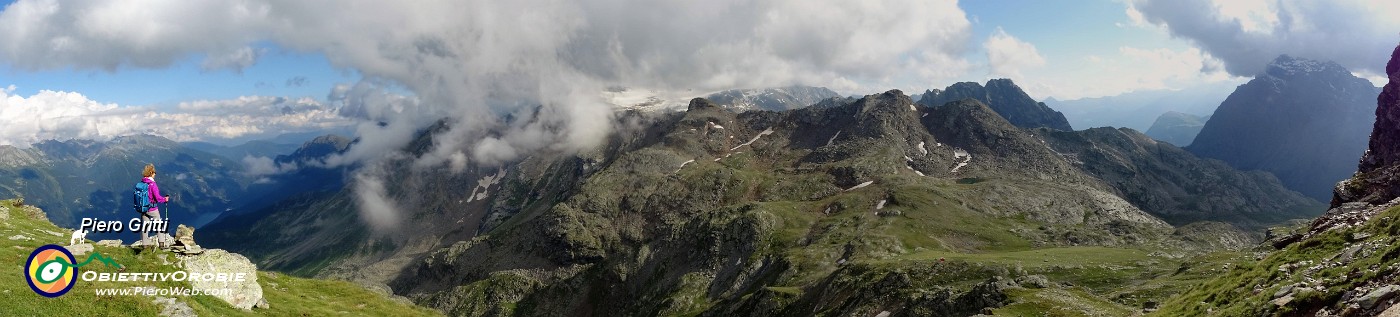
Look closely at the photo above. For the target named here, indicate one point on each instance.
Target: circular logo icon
(50, 271)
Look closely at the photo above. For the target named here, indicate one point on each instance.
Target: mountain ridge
(1177, 128)
(723, 205)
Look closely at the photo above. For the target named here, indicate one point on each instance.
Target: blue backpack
(141, 198)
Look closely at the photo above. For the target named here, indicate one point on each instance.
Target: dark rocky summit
(1004, 97)
(1305, 121)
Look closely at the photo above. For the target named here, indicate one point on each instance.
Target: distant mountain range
(1305, 121)
(1138, 110)
(82, 178)
(771, 99)
(1177, 128)
(255, 148)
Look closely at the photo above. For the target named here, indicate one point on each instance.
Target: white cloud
(470, 63)
(1131, 69)
(473, 61)
(1259, 16)
(376, 207)
(1375, 78)
(1246, 35)
(258, 166)
(1007, 55)
(50, 115)
(235, 60)
(46, 34)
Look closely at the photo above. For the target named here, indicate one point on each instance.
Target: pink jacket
(156, 197)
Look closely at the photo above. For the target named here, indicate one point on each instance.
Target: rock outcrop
(1377, 178)
(171, 307)
(80, 249)
(184, 242)
(244, 294)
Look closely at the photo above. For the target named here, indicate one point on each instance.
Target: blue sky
(1065, 30)
(184, 66)
(185, 80)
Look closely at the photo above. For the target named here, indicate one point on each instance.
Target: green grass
(1232, 293)
(1101, 270)
(934, 223)
(786, 290)
(1048, 257)
(1059, 302)
(286, 295)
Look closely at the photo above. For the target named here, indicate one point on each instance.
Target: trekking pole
(166, 213)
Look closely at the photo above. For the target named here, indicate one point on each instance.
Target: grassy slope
(1233, 292)
(287, 295)
(937, 223)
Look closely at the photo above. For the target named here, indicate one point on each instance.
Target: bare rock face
(80, 249)
(110, 243)
(1378, 177)
(244, 294)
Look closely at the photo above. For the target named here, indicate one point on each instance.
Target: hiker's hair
(149, 171)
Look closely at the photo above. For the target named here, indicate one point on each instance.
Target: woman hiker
(148, 177)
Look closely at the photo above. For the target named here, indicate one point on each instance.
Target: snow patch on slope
(755, 138)
(963, 157)
(483, 185)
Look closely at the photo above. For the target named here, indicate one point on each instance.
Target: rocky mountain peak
(1288, 66)
(1393, 67)
(1385, 136)
(317, 148)
(700, 104)
(1004, 84)
(889, 100)
(1005, 98)
(12, 156)
(1304, 121)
